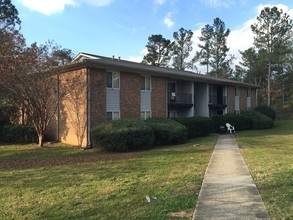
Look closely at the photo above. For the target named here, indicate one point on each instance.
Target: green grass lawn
(269, 155)
(63, 182)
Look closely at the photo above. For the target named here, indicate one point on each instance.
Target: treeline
(267, 63)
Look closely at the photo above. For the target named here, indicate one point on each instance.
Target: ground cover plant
(62, 182)
(268, 154)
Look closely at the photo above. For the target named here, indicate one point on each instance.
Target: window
(113, 116)
(248, 92)
(113, 80)
(145, 83)
(145, 115)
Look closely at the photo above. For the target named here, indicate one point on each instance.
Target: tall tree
(8, 15)
(158, 51)
(181, 48)
(219, 49)
(273, 33)
(204, 55)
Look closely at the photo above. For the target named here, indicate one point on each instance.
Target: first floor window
(145, 115)
(113, 116)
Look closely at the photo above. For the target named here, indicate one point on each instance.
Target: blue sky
(122, 27)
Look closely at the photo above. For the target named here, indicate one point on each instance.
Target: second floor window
(113, 80)
(145, 83)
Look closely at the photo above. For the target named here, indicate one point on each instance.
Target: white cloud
(159, 2)
(47, 7)
(54, 6)
(138, 59)
(168, 21)
(218, 3)
(98, 3)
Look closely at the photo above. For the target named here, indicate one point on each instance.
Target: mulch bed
(33, 163)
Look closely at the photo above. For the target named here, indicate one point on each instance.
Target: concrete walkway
(228, 190)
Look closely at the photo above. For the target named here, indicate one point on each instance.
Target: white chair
(230, 128)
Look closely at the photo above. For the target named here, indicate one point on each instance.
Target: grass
(110, 187)
(269, 155)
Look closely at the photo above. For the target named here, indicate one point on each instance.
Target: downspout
(89, 108)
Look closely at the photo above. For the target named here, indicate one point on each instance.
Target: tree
(33, 88)
(213, 50)
(204, 54)
(181, 48)
(253, 66)
(273, 32)
(219, 49)
(8, 15)
(158, 51)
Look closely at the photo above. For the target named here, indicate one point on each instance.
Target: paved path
(228, 190)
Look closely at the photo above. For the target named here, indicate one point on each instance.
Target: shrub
(123, 135)
(218, 120)
(239, 121)
(168, 131)
(266, 110)
(197, 126)
(259, 120)
(18, 134)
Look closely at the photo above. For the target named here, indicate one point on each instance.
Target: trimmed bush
(18, 134)
(197, 126)
(168, 131)
(259, 120)
(123, 135)
(266, 110)
(239, 121)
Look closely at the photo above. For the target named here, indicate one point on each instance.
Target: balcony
(179, 99)
(217, 102)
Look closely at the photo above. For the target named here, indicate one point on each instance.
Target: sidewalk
(228, 190)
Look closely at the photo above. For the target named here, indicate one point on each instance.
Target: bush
(259, 120)
(266, 110)
(168, 131)
(239, 121)
(123, 135)
(197, 126)
(18, 134)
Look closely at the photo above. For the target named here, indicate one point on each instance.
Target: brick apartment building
(111, 88)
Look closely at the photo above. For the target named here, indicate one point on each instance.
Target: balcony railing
(215, 100)
(179, 98)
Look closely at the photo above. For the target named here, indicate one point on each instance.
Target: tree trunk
(41, 140)
(269, 84)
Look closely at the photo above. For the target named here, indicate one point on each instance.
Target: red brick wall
(129, 95)
(231, 99)
(253, 98)
(243, 98)
(97, 96)
(159, 98)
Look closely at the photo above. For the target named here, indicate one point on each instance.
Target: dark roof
(123, 65)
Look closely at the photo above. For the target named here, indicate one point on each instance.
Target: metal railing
(215, 100)
(179, 98)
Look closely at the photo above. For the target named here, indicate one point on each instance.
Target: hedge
(266, 110)
(168, 131)
(18, 134)
(123, 135)
(259, 120)
(197, 126)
